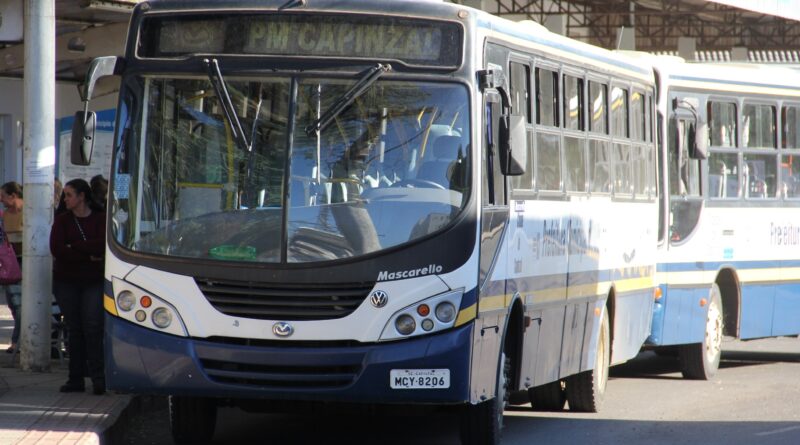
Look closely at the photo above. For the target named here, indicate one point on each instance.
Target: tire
(482, 424)
(700, 361)
(549, 397)
(192, 419)
(586, 391)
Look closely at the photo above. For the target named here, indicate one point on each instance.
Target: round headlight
(405, 324)
(162, 317)
(427, 324)
(140, 315)
(445, 312)
(126, 300)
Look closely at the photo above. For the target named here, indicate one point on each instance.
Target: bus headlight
(445, 312)
(405, 324)
(416, 319)
(145, 309)
(162, 318)
(126, 300)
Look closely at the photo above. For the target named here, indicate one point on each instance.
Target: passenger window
(790, 172)
(520, 86)
(760, 175)
(598, 122)
(619, 112)
(637, 116)
(573, 103)
(723, 175)
(684, 171)
(548, 162)
(722, 124)
(546, 97)
(639, 160)
(599, 166)
(575, 175)
(791, 126)
(758, 126)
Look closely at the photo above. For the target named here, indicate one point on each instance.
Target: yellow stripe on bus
(110, 306)
(467, 314)
(497, 302)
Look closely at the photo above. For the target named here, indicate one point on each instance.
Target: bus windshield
(390, 168)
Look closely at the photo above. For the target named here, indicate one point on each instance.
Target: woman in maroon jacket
(77, 242)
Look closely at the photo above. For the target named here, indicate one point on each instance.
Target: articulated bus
(728, 262)
(375, 202)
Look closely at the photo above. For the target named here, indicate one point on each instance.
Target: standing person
(77, 242)
(99, 186)
(11, 197)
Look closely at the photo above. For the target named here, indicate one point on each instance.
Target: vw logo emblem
(379, 298)
(282, 329)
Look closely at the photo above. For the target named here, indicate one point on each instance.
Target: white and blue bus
(399, 202)
(729, 231)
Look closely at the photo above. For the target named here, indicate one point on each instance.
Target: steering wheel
(419, 182)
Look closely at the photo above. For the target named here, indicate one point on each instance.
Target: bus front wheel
(482, 424)
(192, 419)
(700, 361)
(585, 391)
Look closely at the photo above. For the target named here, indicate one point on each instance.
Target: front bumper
(140, 360)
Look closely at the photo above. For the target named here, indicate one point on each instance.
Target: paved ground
(34, 412)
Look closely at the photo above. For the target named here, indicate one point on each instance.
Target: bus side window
(789, 162)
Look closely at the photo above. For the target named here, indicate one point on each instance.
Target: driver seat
(446, 151)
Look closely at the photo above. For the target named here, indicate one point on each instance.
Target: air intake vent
(280, 376)
(285, 301)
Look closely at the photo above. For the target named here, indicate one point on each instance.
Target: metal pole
(38, 174)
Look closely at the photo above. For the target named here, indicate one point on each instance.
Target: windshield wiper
(215, 77)
(347, 98)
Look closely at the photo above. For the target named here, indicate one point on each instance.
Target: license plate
(419, 378)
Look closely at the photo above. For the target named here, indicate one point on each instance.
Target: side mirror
(100, 67)
(513, 145)
(698, 141)
(83, 137)
(83, 128)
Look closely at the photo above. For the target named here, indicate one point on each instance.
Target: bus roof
(726, 77)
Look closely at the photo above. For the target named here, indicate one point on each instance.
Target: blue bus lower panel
(141, 360)
(678, 317)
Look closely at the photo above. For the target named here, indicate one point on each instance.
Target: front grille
(284, 301)
(284, 367)
(280, 376)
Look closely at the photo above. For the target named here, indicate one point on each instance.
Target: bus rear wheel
(482, 424)
(586, 391)
(700, 361)
(192, 419)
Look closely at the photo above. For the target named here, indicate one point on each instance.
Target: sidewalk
(33, 411)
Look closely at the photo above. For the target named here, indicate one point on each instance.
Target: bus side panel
(548, 352)
(758, 301)
(683, 319)
(574, 330)
(787, 306)
(632, 320)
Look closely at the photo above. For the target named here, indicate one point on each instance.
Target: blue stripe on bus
(503, 27)
(695, 266)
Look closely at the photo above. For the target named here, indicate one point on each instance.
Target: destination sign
(411, 41)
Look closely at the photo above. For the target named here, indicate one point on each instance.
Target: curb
(120, 426)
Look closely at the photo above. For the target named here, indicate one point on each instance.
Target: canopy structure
(719, 25)
(84, 29)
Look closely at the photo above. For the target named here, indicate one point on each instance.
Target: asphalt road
(754, 399)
